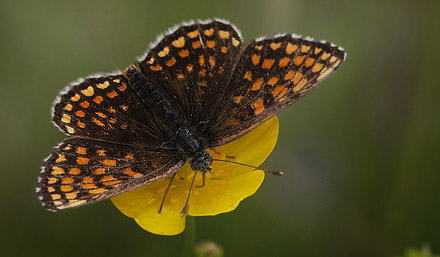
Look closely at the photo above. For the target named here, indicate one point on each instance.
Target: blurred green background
(361, 153)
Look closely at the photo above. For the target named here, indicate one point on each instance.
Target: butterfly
(196, 88)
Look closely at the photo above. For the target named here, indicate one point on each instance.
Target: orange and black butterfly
(196, 88)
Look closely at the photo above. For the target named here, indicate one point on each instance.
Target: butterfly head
(201, 161)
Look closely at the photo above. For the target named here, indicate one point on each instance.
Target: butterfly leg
(166, 192)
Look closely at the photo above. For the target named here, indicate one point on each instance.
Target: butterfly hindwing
(192, 66)
(83, 171)
(272, 74)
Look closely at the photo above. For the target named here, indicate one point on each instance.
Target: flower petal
(225, 186)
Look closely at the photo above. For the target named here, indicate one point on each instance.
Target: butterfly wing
(107, 108)
(191, 67)
(82, 171)
(271, 74)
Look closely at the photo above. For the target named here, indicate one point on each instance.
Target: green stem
(190, 236)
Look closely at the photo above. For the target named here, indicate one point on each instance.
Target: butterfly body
(197, 88)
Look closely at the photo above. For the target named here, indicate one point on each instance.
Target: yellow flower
(225, 186)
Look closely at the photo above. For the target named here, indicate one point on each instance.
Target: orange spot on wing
(85, 104)
(211, 61)
(258, 106)
(74, 171)
(259, 47)
(57, 170)
(223, 34)
(155, 68)
(189, 68)
(298, 60)
(81, 124)
(289, 75)
(196, 44)
(272, 81)
(309, 61)
(279, 91)
(300, 85)
(75, 98)
(68, 107)
(318, 50)
(267, 63)
(112, 94)
(201, 60)
(87, 180)
(55, 196)
(256, 59)
(210, 43)
(257, 84)
(209, 32)
(88, 91)
(109, 183)
(107, 178)
(97, 191)
(112, 110)
(184, 53)
(164, 52)
(103, 85)
(100, 152)
(82, 160)
(80, 114)
(50, 189)
(275, 46)
(238, 99)
(65, 118)
(70, 129)
(235, 42)
(71, 195)
(67, 181)
(81, 150)
(89, 186)
(52, 180)
(305, 48)
(290, 48)
(171, 62)
(99, 171)
(179, 43)
(100, 114)
(333, 59)
(202, 72)
(180, 76)
(317, 67)
(98, 99)
(193, 34)
(109, 162)
(122, 87)
(325, 56)
(97, 122)
(248, 76)
(61, 158)
(129, 156)
(297, 77)
(131, 173)
(284, 62)
(65, 188)
(224, 49)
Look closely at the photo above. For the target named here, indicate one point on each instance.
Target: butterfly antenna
(185, 207)
(273, 172)
(166, 192)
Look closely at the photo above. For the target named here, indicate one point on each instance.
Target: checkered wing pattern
(272, 74)
(191, 67)
(83, 171)
(107, 108)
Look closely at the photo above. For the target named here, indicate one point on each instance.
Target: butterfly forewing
(83, 171)
(192, 66)
(271, 75)
(106, 108)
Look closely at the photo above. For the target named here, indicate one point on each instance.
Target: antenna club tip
(278, 173)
